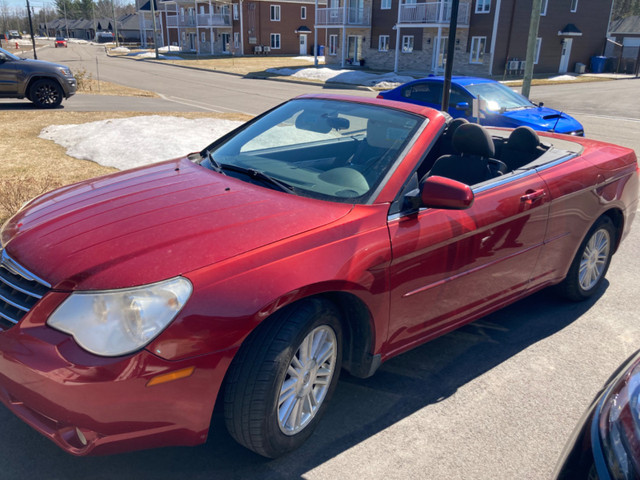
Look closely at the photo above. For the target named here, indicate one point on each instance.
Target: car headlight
(618, 425)
(65, 71)
(117, 322)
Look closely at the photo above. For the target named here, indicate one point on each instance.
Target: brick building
(491, 35)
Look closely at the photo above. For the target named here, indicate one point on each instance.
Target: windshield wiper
(259, 175)
(520, 107)
(212, 163)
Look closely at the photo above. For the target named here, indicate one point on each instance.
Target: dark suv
(44, 83)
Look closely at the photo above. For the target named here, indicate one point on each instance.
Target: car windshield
(6, 54)
(327, 149)
(60, 39)
(498, 97)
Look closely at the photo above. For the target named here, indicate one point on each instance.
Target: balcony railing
(214, 20)
(201, 20)
(343, 16)
(432, 13)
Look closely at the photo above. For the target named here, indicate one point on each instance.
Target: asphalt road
(493, 400)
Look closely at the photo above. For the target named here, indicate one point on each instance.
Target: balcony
(433, 13)
(357, 17)
(200, 20)
(214, 20)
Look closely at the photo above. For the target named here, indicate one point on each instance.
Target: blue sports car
(495, 104)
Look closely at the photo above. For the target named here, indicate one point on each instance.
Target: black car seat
(522, 147)
(474, 163)
(446, 140)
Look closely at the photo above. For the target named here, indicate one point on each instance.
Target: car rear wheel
(591, 262)
(282, 378)
(45, 93)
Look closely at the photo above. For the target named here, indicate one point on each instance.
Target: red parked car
(61, 42)
(330, 232)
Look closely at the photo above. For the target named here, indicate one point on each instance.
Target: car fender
(349, 256)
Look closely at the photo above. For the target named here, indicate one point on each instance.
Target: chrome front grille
(19, 291)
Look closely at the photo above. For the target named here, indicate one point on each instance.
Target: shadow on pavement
(359, 409)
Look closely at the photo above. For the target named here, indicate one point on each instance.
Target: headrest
(523, 138)
(380, 134)
(453, 126)
(472, 139)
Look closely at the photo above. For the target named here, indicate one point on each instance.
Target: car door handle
(532, 195)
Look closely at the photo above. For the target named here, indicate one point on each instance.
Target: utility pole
(451, 46)
(33, 40)
(115, 21)
(155, 34)
(66, 22)
(531, 47)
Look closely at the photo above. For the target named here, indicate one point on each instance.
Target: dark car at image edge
(45, 84)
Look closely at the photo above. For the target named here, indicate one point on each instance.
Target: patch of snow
(562, 78)
(352, 77)
(131, 142)
(169, 48)
(120, 50)
(153, 55)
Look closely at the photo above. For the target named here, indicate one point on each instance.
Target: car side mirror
(462, 106)
(445, 193)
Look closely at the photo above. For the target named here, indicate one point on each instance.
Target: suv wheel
(46, 93)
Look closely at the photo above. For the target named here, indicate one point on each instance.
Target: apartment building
(491, 35)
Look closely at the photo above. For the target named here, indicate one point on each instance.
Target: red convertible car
(330, 232)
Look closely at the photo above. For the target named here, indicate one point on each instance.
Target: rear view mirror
(313, 122)
(441, 192)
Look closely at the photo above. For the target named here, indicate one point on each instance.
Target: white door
(566, 53)
(303, 44)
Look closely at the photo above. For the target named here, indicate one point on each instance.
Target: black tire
(591, 262)
(260, 376)
(46, 93)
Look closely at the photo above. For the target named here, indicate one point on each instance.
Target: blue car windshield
(498, 97)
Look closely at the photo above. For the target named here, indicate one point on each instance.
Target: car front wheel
(282, 378)
(591, 262)
(46, 93)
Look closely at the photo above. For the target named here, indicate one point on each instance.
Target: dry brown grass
(88, 84)
(30, 165)
(236, 65)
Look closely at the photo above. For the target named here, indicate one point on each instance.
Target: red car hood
(153, 223)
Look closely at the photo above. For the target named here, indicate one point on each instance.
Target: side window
(424, 93)
(458, 96)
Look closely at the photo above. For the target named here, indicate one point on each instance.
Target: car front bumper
(95, 405)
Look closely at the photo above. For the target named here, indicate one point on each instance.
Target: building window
(236, 39)
(275, 41)
(543, 8)
(236, 13)
(383, 43)
(203, 37)
(537, 54)
(574, 6)
(483, 6)
(182, 14)
(275, 13)
(407, 43)
(303, 13)
(385, 4)
(201, 9)
(333, 44)
(476, 54)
